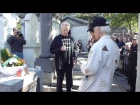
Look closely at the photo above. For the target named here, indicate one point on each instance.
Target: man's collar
(105, 37)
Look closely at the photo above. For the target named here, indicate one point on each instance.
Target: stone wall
(80, 33)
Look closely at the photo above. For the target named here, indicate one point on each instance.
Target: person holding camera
(16, 42)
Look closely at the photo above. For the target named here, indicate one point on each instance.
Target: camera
(19, 34)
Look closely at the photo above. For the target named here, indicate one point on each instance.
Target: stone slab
(14, 83)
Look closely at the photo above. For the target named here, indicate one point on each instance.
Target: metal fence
(123, 69)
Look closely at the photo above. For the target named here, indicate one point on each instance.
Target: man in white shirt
(102, 60)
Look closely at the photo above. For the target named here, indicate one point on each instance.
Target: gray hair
(105, 29)
(65, 24)
(128, 44)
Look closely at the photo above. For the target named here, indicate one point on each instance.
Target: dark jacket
(121, 45)
(55, 48)
(133, 56)
(117, 41)
(16, 44)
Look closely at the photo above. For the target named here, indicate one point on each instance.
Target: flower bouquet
(10, 63)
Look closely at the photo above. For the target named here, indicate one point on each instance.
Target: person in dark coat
(117, 40)
(63, 46)
(79, 44)
(16, 42)
(133, 64)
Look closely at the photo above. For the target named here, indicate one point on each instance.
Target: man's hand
(63, 48)
(128, 54)
(120, 49)
(19, 37)
(14, 34)
(74, 62)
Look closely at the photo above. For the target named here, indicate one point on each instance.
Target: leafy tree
(85, 16)
(129, 20)
(18, 25)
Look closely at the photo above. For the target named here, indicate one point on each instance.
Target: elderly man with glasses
(102, 60)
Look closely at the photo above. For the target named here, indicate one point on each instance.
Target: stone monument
(49, 28)
(32, 47)
(45, 58)
(7, 22)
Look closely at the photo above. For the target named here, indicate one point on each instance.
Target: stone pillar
(45, 28)
(22, 26)
(138, 60)
(38, 16)
(32, 49)
(45, 58)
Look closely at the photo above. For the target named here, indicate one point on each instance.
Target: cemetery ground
(119, 84)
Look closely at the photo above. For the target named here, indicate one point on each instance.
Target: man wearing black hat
(102, 59)
(133, 64)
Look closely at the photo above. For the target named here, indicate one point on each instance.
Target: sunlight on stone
(10, 21)
(54, 32)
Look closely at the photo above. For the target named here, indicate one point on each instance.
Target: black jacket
(55, 48)
(133, 56)
(16, 44)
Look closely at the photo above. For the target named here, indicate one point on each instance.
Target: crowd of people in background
(88, 46)
(128, 58)
(79, 45)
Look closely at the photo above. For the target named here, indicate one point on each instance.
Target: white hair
(128, 44)
(105, 29)
(65, 24)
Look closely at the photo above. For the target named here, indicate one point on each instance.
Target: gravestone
(7, 22)
(32, 47)
(31, 28)
(31, 82)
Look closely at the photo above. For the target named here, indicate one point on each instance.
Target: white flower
(13, 60)
(14, 55)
